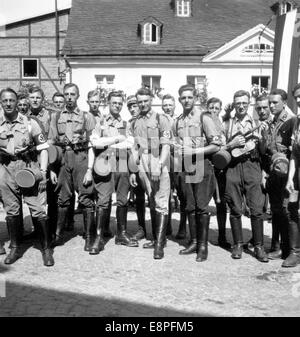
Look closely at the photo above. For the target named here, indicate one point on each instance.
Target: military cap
(131, 100)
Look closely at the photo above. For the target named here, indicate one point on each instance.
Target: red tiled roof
(110, 27)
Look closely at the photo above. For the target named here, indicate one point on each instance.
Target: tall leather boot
(257, 226)
(62, 213)
(70, 219)
(89, 224)
(237, 234)
(43, 230)
(122, 237)
(221, 219)
(294, 240)
(275, 250)
(150, 244)
(192, 248)
(284, 235)
(202, 227)
(107, 233)
(2, 249)
(140, 212)
(101, 219)
(181, 234)
(15, 233)
(169, 222)
(161, 231)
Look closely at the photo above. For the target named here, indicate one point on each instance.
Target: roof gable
(234, 50)
(110, 27)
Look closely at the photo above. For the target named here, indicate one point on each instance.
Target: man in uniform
(243, 178)
(292, 185)
(152, 133)
(94, 103)
(197, 138)
(277, 147)
(59, 100)
(18, 136)
(112, 131)
(137, 190)
(71, 130)
(168, 107)
(23, 104)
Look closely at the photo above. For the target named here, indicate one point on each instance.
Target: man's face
(144, 103)
(133, 109)
(23, 106)
(214, 108)
(94, 103)
(241, 105)
(276, 104)
(297, 97)
(115, 105)
(59, 102)
(8, 102)
(187, 100)
(263, 110)
(71, 97)
(168, 106)
(35, 100)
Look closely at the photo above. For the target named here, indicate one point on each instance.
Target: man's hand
(53, 177)
(188, 151)
(290, 186)
(132, 180)
(238, 141)
(88, 178)
(43, 183)
(228, 108)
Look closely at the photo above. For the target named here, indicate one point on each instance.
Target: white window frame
(284, 7)
(151, 81)
(199, 80)
(183, 8)
(259, 82)
(102, 79)
(37, 68)
(147, 38)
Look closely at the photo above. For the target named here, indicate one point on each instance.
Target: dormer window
(151, 31)
(258, 48)
(183, 8)
(285, 7)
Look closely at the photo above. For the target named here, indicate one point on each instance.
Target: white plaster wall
(223, 80)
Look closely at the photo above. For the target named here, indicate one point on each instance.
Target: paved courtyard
(123, 281)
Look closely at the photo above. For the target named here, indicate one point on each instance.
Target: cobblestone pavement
(123, 281)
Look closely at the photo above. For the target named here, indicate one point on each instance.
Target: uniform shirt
(219, 126)
(20, 134)
(151, 130)
(99, 118)
(72, 127)
(112, 126)
(279, 134)
(196, 129)
(44, 117)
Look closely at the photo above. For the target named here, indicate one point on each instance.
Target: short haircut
(187, 87)
(241, 93)
(10, 90)
(70, 85)
(34, 89)
(279, 92)
(144, 92)
(261, 98)
(213, 100)
(297, 86)
(115, 93)
(58, 94)
(168, 96)
(93, 93)
(22, 95)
